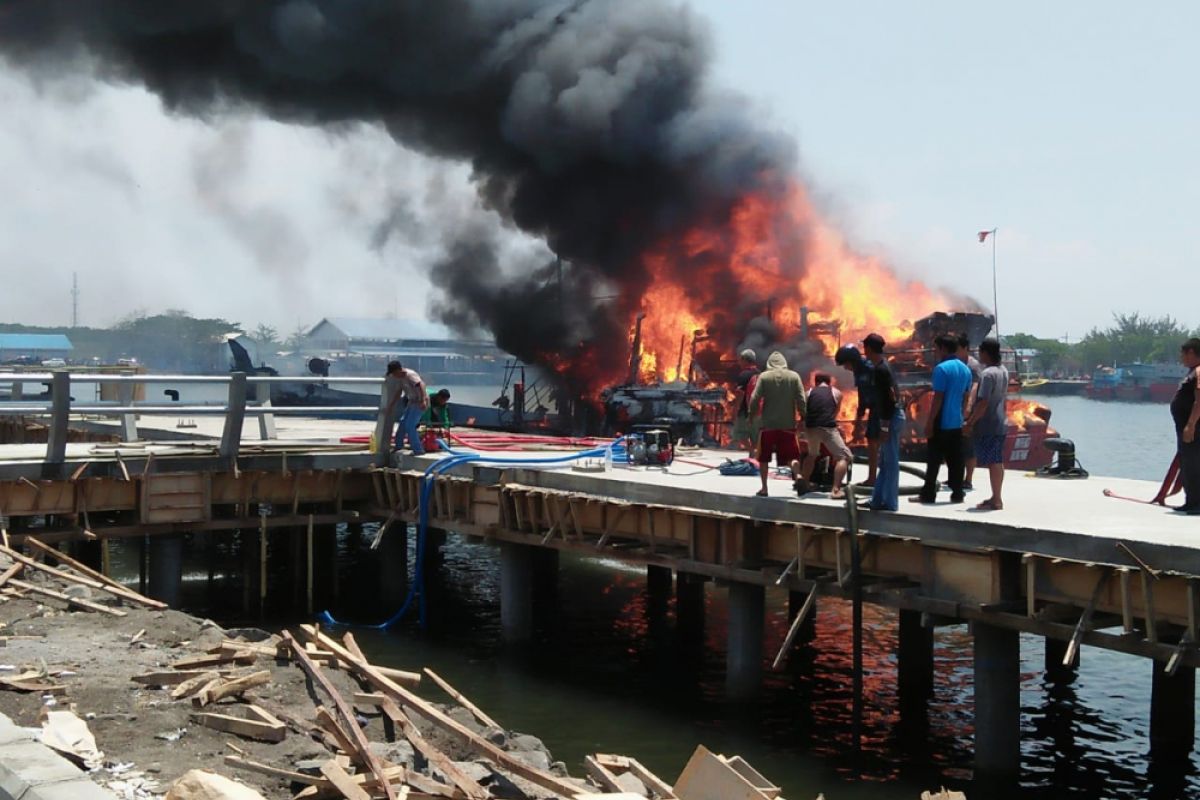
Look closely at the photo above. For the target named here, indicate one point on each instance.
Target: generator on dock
(650, 445)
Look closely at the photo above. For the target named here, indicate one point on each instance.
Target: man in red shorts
(782, 395)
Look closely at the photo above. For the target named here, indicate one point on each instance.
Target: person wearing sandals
(782, 396)
(987, 424)
(821, 430)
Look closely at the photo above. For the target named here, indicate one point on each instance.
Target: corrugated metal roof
(35, 341)
(406, 353)
(395, 330)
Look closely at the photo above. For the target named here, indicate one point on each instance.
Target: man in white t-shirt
(404, 389)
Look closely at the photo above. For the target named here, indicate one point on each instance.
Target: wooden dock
(1062, 561)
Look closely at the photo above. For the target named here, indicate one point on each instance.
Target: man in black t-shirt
(1185, 412)
(745, 419)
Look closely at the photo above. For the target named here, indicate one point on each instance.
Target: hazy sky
(1067, 125)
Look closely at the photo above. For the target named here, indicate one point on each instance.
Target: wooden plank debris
(709, 776)
(343, 710)
(601, 775)
(461, 699)
(86, 571)
(635, 767)
(809, 603)
(231, 688)
(263, 727)
(342, 781)
(327, 723)
(31, 681)
(121, 592)
(194, 684)
(477, 743)
(11, 573)
(242, 656)
(78, 602)
(172, 678)
(436, 757)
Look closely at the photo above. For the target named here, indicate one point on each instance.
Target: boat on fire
(696, 409)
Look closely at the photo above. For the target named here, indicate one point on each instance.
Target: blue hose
(453, 459)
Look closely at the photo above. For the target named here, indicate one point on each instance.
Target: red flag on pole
(983, 235)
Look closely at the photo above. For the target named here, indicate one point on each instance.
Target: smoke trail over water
(589, 125)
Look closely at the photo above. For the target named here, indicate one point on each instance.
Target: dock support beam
(744, 654)
(166, 568)
(1056, 651)
(689, 606)
(393, 566)
(1172, 712)
(997, 701)
(545, 575)
(325, 566)
(914, 677)
(658, 581)
(435, 540)
(516, 592)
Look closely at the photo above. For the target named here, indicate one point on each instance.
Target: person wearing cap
(885, 495)
(848, 357)
(745, 423)
(438, 413)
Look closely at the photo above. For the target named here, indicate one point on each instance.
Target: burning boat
(698, 409)
(913, 363)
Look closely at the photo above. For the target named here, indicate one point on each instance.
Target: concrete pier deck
(1060, 561)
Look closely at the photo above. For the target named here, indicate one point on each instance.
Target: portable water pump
(648, 445)
(430, 435)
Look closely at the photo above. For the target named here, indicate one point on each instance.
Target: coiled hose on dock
(612, 451)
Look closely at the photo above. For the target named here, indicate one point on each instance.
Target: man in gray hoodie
(782, 395)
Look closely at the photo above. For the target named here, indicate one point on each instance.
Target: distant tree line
(172, 341)
(1130, 339)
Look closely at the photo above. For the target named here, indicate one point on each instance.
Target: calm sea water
(609, 672)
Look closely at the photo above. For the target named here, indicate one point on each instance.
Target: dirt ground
(147, 737)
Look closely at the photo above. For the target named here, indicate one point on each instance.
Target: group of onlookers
(966, 423)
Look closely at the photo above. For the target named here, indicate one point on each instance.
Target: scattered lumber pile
(72, 582)
(220, 685)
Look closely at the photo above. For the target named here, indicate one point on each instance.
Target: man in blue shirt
(943, 431)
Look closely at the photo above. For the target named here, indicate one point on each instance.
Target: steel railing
(235, 409)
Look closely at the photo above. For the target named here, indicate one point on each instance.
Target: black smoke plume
(590, 125)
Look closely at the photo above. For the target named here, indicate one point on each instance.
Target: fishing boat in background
(1135, 383)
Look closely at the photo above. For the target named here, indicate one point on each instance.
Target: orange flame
(771, 257)
(1026, 414)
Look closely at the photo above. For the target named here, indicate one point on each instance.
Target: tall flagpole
(995, 293)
